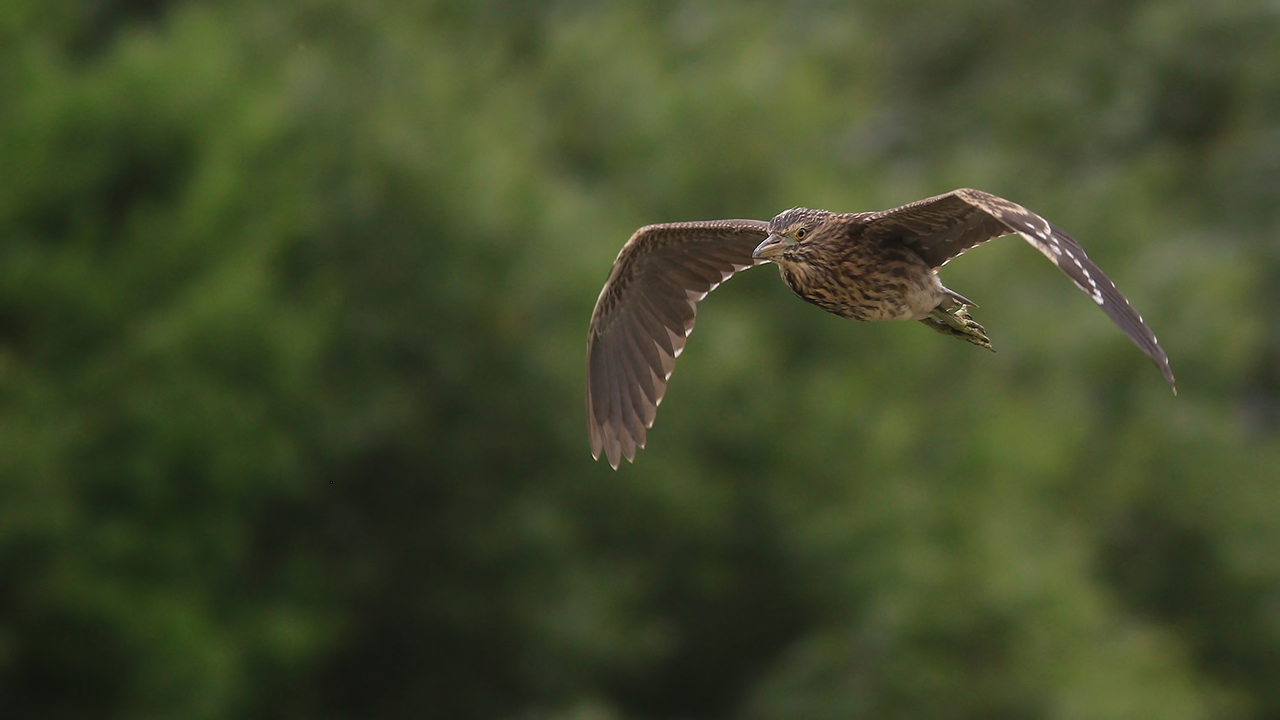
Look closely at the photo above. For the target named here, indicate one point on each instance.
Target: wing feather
(654, 329)
(647, 352)
(944, 226)
(644, 314)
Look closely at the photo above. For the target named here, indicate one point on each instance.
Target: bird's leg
(955, 321)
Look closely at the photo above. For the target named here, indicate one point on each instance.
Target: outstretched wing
(942, 227)
(643, 315)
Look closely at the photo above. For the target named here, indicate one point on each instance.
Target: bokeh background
(293, 308)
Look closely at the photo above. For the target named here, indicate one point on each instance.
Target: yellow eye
(802, 233)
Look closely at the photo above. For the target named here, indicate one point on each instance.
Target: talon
(955, 321)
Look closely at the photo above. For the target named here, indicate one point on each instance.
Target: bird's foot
(956, 322)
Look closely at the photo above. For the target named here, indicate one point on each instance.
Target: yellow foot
(957, 323)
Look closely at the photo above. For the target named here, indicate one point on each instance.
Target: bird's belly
(874, 297)
(912, 302)
(910, 306)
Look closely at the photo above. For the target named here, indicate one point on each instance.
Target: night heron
(864, 266)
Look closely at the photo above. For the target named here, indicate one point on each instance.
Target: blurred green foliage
(293, 300)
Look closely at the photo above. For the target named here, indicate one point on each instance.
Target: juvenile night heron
(867, 266)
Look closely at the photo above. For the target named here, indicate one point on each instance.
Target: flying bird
(868, 266)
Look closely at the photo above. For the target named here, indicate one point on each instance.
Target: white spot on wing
(677, 342)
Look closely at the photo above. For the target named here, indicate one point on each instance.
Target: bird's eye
(802, 233)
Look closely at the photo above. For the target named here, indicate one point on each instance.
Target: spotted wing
(643, 315)
(942, 227)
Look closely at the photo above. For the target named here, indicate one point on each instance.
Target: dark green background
(293, 308)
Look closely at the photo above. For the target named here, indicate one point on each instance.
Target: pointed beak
(771, 247)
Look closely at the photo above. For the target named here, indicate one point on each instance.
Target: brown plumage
(864, 266)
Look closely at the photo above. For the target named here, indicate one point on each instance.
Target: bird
(867, 266)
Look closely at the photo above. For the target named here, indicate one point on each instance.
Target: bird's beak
(771, 247)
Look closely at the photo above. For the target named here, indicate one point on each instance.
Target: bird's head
(790, 232)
